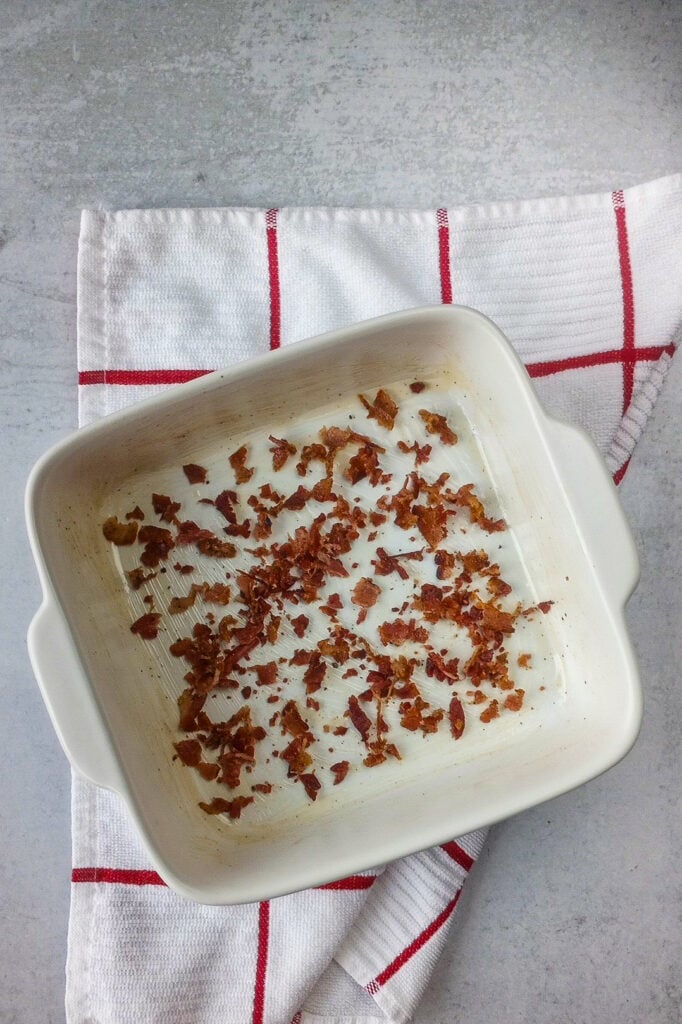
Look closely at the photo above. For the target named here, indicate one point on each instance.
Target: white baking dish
(100, 683)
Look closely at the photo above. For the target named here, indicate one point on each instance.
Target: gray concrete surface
(572, 915)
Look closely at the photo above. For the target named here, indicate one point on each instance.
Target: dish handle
(72, 707)
(597, 510)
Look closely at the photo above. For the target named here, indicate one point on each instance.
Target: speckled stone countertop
(572, 914)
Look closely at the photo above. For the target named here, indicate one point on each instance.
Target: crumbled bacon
(466, 498)
(194, 473)
(189, 752)
(360, 720)
(136, 577)
(383, 409)
(299, 570)
(311, 453)
(233, 808)
(456, 716)
(436, 424)
(147, 626)
(365, 463)
(365, 593)
(340, 771)
(514, 701)
(281, 450)
(421, 454)
(165, 507)
(491, 712)
(445, 562)
(242, 473)
(300, 624)
(267, 674)
(215, 548)
(396, 633)
(432, 524)
(120, 534)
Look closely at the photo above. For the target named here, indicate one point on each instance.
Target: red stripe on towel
(444, 256)
(273, 270)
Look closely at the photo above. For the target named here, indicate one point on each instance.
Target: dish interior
(573, 687)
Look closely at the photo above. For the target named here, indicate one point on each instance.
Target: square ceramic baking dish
(117, 726)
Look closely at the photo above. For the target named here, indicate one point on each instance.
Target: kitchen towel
(589, 291)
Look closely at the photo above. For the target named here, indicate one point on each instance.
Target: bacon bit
(545, 606)
(310, 702)
(311, 784)
(401, 503)
(377, 518)
(492, 711)
(475, 561)
(147, 626)
(315, 673)
(365, 463)
(208, 771)
(417, 387)
(421, 455)
(189, 752)
(297, 756)
(385, 564)
(340, 730)
(225, 504)
(267, 674)
(281, 450)
(184, 570)
(477, 696)
(498, 587)
(298, 499)
(190, 705)
(262, 787)
(215, 548)
(311, 453)
(383, 409)
(165, 507)
(466, 498)
(445, 562)
(293, 723)
(233, 808)
(194, 473)
(190, 533)
(218, 593)
(524, 660)
(273, 628)
(239, 529)
(359, 719)
(337, 650)
(436, 424)
(456, 716)
(242, 473)
(120, 534)
(340, 770)
(322, 491)
(136, 577)
(365, 593)
(300, 624)
(136, 513)
(514, 701)
(396, 633)
(442, 670)
(496, 620)
(181, 604)
(334, 601)
(432, 523)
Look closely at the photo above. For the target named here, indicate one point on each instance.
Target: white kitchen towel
(588, 289)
